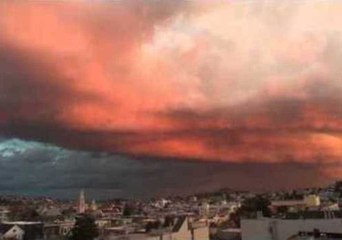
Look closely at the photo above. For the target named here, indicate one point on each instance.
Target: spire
(93, 205)
(81, 204)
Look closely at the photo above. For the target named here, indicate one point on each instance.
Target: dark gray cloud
(39, 169)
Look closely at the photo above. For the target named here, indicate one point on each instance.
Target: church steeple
(82, 203)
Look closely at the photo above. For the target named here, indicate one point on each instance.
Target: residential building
(283, 229)
(11, 232)
(21, 230)
(310, 201)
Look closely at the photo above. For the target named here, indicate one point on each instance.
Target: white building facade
(284, 229)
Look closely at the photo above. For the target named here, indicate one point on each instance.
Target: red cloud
(168, 79)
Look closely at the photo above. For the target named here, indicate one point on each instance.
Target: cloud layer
(244, 82)
(33, 168)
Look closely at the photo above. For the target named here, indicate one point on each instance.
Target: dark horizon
(47, 170)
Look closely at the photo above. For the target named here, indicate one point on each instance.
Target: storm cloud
(227, 83)
(33, 168)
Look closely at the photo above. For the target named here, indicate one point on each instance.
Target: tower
(93, 205)
(81, 204)
(205, 211)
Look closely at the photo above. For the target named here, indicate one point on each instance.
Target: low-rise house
(228, 234)
(331, 207)
(57, 230)
(310, 201)
(316, 235)
(284, 229)
(23, 230)
(182, 229)
(49, 212)
(12, 233)
(4, 214)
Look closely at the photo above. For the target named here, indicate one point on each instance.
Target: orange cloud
(213, 82)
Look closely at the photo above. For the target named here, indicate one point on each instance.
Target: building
(49, 212)
(307, 201)
(81, 203)
(183, 229)
(12, 232)
(93, 206)
(310, 201)
(22, 230)
(3, 214)
(228, 234)
(57, 230)
(316, 235)
(284, 229)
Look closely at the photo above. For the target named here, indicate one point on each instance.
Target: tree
(258, 203)
(24, 213)
(84, 229)
(169, 221)
(282, 209)
(152, 225)
(234, 219)
(128, 210)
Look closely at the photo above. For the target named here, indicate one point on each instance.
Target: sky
(135, 98)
